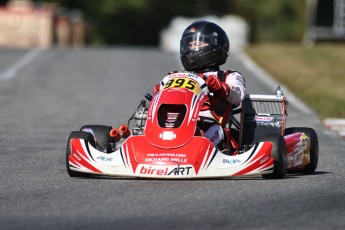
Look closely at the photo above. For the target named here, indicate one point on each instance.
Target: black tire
(279, 155)
(102, 137)
(80, 135)
(314, 148)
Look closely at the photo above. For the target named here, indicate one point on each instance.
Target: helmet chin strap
(213, 68)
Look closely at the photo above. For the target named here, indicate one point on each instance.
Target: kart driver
(204, 47)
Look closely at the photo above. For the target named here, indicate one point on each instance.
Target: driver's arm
(237, 86)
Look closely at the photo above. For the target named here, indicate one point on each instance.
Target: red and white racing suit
(211, 114)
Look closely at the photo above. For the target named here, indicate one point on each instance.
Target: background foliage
(140, 21)
(272, 20)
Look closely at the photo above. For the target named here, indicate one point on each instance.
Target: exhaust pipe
(125, 131)
(114, 133)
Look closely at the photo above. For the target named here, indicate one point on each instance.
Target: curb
(335, 124)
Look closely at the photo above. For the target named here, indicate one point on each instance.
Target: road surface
(60, 90)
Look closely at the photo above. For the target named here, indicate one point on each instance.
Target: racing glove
(156, 89)
(216, 86)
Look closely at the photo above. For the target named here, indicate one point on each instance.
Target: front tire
(79, 135)
(279, 155)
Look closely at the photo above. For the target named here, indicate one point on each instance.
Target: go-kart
(161, 140)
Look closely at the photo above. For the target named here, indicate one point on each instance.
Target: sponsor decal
(165, 171)
(264, 160)
(173, 157)
(166, 159)
(183, 82)
(231, 161)
(300, 154)
(207, 120)
(182, 75)
(294, 161)
(166, 154)
(180, 171)
(306, 149)
(192, 30)
(103, 158)
(167, 135)
(263, 119)
(171, 119)
(215, 136)
(152, 159)
(271, 124)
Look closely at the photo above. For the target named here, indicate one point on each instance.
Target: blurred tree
(140, 21)
(271, 20)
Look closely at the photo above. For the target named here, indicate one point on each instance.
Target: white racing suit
(236, 82)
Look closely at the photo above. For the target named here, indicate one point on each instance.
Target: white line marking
(15, 68)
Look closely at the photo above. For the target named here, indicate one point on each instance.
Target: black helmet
(203, 44)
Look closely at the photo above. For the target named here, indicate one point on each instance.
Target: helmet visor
(195, 42)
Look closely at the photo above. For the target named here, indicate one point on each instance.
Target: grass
(316, 75)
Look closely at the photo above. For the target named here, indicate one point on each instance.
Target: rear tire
(79, 135)
(279, 155)
(314, 148)
(101, 135)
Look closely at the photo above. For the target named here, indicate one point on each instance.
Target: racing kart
(161, 140)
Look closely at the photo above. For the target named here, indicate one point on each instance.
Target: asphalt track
(62, 89)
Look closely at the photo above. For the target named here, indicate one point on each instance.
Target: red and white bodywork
(168, 148)
(197, 159)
